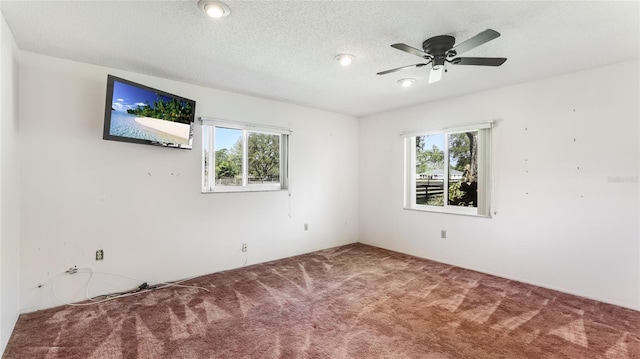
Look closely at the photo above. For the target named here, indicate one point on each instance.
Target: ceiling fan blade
(401, 68)
(485, 36)
(436, 74)
(412, 50)
(480, 61)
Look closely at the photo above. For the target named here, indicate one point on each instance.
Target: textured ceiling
(284, 50)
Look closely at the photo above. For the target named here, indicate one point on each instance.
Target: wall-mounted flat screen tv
(141, 114)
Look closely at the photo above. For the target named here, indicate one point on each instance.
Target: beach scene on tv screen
(144, 114)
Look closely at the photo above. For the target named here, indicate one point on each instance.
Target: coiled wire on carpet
(143, 288)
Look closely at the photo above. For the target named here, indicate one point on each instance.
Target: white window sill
(462, 211)
(239, 189)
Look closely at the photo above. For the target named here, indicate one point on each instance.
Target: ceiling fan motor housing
(438, 46)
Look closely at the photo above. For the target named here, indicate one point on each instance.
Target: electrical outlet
(244, 247)
(443, 234)
(306, 226)
(99, 254)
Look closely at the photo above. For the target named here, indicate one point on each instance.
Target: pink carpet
(354, 301)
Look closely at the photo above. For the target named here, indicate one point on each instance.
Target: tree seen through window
(457, 171)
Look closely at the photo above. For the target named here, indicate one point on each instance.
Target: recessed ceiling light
(406, 82)
(214, 8)
(345, 59)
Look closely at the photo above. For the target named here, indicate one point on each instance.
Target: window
(449, 170)
(243, 157)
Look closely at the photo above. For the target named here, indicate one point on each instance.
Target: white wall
(9, 185)
(557, 226)
(142, 204)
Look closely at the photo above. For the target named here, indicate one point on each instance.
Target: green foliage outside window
(263, 158)
(462, 156)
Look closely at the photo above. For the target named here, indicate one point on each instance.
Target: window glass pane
(228, 156)
(463, 169)
(430, 169)
(263, 152)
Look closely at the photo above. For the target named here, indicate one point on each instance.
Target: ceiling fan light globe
(435, 75)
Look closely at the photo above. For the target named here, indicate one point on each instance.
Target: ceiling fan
(439, 50)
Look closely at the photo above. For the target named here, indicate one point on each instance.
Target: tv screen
(141, 114)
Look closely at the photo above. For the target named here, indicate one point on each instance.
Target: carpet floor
(354, 301)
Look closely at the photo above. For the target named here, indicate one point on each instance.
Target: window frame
(484, 175)
(209, 126)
